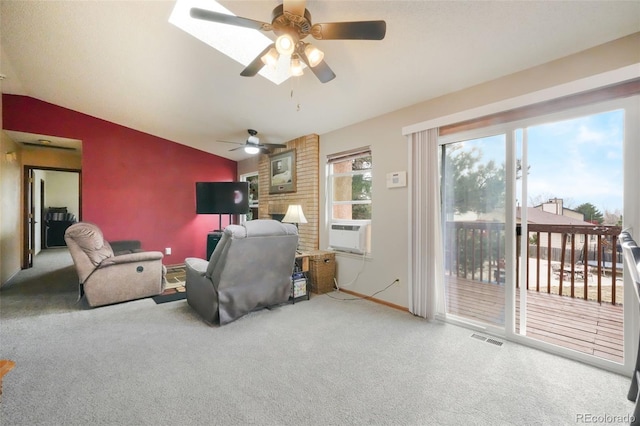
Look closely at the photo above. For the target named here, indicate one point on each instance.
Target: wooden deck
(583, 325)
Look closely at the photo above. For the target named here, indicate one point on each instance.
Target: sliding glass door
(569, 219)
(531, 213)
(473, 197)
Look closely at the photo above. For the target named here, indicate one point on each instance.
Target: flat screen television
(222, 197)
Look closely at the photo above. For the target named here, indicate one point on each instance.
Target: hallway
(50, 286)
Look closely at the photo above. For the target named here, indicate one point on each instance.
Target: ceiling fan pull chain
(298, 106)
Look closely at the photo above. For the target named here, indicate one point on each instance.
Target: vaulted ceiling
(125, 63)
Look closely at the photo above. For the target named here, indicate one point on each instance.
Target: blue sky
(578, 160)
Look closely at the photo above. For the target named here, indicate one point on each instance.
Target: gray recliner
(113, 272)
(249, 269)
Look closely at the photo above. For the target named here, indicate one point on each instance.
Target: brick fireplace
(306, 193)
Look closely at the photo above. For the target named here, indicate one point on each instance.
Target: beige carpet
(318, 362)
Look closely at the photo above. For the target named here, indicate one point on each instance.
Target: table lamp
(294, 215)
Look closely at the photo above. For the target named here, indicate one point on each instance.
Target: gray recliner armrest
(196, 265)
(201, 291)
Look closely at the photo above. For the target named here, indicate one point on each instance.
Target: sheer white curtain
(426, 276)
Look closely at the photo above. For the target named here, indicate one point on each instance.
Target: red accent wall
(134, 185)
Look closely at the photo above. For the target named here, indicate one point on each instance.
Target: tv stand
(220, 222)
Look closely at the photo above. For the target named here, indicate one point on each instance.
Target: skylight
(240, 44)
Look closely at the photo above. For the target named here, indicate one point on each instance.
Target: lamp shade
(294, 214)
(296, 66)
(285, 44)
(271, 58)
(314, 55)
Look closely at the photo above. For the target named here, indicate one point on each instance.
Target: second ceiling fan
(253, 146)
(291, 23)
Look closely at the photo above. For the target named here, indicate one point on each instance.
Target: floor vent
(495, 342)
(487, 339)
(479, 337)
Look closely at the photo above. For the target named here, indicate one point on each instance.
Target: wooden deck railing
(576, 261)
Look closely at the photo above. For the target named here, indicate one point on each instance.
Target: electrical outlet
(167, 251)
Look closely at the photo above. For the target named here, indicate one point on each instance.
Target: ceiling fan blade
(256, 65)
(361, 30)
(295, 7)
(235, 143)
(322, 70)
(235, 149)
(222, 18)
(273, 145)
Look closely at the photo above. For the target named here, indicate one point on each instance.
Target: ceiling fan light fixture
(313, 54)
(290, 23)
(285, 44)
(251, 149)
(271, 58)
(296, 66)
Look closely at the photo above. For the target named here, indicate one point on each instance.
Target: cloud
(578, 159)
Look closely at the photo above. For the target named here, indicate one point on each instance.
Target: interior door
(29, 215)
(43, 228)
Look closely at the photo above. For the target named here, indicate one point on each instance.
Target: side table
(322, 271)
(299, 279)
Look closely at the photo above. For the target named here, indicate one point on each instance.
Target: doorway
(48, 190)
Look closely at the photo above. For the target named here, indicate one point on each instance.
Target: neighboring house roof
(538, 216)
(557, 204)
(534, 215)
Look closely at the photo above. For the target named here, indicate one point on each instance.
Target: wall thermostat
(396, 179)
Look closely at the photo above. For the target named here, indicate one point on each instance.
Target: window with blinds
(350, 184)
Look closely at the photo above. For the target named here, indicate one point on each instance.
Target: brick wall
(307, 191)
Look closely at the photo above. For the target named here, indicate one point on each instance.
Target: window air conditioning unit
(352, 237)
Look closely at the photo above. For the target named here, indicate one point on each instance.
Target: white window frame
(339, 157)
(252, 203)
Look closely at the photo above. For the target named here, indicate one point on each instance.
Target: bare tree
(613, 218)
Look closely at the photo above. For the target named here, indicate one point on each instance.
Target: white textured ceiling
(125, 63)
